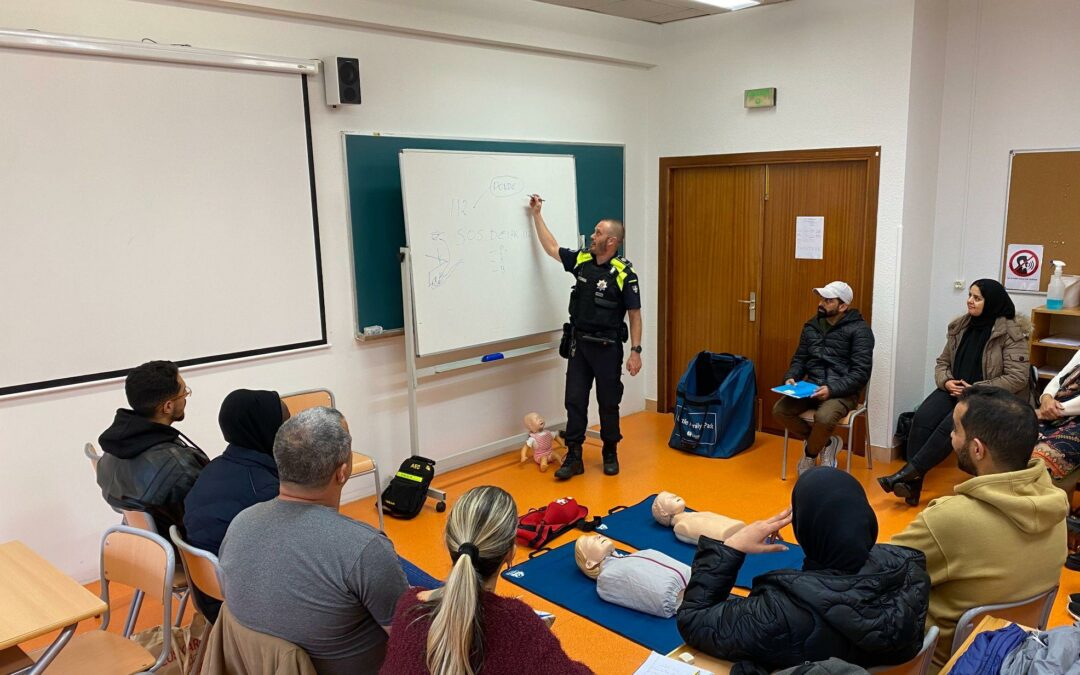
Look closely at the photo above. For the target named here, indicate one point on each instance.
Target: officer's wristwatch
(636, 350)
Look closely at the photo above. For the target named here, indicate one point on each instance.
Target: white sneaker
(831, 449)
(805, 464)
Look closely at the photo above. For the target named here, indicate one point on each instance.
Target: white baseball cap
(836, 289)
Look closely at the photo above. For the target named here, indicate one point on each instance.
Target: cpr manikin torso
(540, 441)
(670, 511)
(647, 581)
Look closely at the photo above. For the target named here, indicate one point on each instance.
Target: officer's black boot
(611, 459)
(572, 465)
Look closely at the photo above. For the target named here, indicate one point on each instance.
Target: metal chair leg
(869, 448)
(850, 447)
(183, 596)
(133, 613)
(378, 498)
(783, 466)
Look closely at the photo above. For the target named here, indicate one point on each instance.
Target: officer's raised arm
(547, 240)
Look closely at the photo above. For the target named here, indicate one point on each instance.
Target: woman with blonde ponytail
(464, 628)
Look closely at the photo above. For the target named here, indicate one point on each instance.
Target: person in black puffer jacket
(148, 465)
(862, 602)
(835, 352)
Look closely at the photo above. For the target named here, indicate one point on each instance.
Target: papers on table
(658, 664)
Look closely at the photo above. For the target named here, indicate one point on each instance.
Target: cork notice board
(1044, 207)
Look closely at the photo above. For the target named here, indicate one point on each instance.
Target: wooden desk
(703, 660)
(989, 623)
(36, 598)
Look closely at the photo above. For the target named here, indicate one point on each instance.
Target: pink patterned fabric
(541, 445)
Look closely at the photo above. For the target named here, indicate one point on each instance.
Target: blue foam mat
(635, 526)
(554, 576)
(418, 577)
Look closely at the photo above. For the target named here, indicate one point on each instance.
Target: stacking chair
(919, 665)
(362, 465)
(135, 558)
(141, 520)
(1033, 613)
(204, 573)
(848, 422)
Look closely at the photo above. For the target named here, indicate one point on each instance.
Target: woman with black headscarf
(987, 345)
(244, 475)
(853, 599)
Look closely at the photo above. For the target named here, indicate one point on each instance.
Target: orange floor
(747, 487)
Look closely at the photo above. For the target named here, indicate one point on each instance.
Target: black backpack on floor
(407, 491)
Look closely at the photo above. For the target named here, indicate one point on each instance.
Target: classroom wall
(1009, 84)
(842, 74)
(412, 86)
(920, 196)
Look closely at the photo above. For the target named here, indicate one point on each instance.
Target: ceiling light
(730, 4)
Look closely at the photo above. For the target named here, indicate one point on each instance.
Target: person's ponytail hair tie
(472, 551)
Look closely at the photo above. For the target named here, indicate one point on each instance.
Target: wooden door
(837, 191)
(714, 253)
(711, 255)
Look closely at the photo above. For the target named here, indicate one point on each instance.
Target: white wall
(1010, 83)
(920, 195)
(841, 70)
(411, 86)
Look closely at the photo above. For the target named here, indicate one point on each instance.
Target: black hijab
(250, 419)
(833, 521)
(967, 362)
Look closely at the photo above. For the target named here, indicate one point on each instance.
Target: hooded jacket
(873, 617)
(1005, 358)
(148, 467)
(1001, 538)
(840, 359)
(231, 483)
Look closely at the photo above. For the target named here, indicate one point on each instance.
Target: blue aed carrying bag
(714, 406)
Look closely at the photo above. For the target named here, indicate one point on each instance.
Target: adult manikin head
(666, 506)
(590, 551)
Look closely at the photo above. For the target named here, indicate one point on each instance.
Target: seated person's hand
(821, 393)
(955, 387)
(790, 380)
(1050, 409)
(758, 537)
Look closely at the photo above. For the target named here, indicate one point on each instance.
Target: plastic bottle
(1055, 292)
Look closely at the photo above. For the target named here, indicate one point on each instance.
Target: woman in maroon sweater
(464, 627)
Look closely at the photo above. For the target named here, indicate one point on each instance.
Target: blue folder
(800, 389)
(418, 577)
(636, 527)
(554, 576)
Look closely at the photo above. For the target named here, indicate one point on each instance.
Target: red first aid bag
(539, 526)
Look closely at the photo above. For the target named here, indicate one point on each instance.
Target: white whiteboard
(479, 274)
(150, 210)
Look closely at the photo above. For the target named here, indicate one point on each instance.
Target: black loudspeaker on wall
(341, 80)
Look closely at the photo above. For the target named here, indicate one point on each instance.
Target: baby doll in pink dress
(541, 442)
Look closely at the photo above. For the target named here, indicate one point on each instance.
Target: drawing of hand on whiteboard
(440, 263)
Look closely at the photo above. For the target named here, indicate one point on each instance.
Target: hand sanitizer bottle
(1055, 292)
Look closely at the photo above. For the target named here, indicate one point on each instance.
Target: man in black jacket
(836, 352)
(147, 464)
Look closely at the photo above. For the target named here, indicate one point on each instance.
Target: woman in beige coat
(987, 345)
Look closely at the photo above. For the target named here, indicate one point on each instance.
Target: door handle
(753, 305)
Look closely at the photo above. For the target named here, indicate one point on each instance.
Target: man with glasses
(148, 465)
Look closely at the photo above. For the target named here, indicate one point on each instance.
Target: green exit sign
(760, 98)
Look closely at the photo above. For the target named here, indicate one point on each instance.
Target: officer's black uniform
(598, 305)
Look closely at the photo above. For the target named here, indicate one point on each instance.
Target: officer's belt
(598, 338)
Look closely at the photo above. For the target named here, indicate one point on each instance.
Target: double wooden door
(729, 278)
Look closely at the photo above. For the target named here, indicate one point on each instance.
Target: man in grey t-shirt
(295, 568)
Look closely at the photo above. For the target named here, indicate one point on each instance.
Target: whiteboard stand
(414, 373)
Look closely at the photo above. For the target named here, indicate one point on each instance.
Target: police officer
(605, 292)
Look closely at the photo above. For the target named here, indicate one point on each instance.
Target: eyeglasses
(184, 394)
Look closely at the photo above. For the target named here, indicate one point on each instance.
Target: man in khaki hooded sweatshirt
(1002, 536)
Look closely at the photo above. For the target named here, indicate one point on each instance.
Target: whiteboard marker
(491, 357)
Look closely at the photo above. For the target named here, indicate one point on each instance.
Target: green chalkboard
(378, 219)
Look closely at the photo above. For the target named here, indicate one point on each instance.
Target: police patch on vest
(601, 285)
(633, 287)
